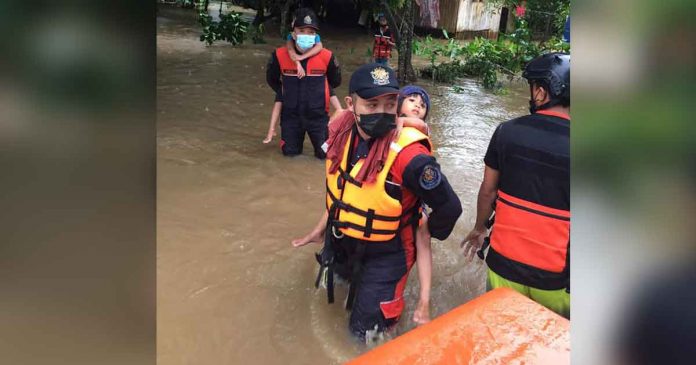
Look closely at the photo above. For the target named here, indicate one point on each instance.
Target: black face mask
(377, 125)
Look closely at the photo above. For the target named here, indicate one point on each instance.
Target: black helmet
(554, 70)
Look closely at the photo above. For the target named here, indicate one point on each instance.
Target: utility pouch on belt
(487, 240)
(326, 258)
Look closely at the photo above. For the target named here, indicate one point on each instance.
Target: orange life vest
(531, 233)
(316, 67)
(382, 48)
(366, 211)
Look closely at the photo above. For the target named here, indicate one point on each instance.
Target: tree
(403, 35)
(285, 17)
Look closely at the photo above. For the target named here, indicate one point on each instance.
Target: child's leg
(424, 261)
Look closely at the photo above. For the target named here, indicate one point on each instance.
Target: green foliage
(187, 4)
(544, 16)
(445, 72)
(432, 49)
(256, 34)
(396, 4)
(209, 28)
(557, 44)
(484, 58)
(231, 28)
(551, 14)
(500, 3)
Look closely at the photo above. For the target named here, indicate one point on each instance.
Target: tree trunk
(406, 74)
(260, 13)
(392, 21)
(284, 15)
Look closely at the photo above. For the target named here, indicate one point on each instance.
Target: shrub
(231, 28)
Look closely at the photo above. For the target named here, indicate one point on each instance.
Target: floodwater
(231, 289)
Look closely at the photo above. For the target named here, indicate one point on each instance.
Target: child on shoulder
(309, 40)
(413, 107)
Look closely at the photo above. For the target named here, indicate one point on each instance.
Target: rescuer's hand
(313, 237)
(473, 242)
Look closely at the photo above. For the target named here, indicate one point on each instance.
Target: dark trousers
(292, 133)
(382, 267)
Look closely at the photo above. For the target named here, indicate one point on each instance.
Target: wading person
(382, 47)
(305, 100)
(527, 175)
(375, 188)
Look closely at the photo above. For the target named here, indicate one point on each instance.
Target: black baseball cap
(372, 80)
(305, 17)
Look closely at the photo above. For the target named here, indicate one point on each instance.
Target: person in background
(305, 100)
(298, 57)
(381, 49)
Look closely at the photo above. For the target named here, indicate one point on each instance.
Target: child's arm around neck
(311, 52)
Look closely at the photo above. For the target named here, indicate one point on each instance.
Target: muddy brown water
(231, 289)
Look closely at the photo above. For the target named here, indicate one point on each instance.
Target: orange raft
(499, 327)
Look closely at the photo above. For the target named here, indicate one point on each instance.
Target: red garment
(408, 241)
(520, 10)
(554, 113)
(339, 131)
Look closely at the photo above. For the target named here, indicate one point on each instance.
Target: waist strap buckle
(338, 235)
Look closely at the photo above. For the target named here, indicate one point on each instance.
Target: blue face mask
(305, 41)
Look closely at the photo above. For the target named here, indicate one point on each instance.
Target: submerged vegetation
(484, 58)
(231, 28)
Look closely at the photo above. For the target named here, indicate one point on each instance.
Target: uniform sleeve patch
(430, 177)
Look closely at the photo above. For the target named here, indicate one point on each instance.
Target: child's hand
(269, 136)
(399, 127)
(300, 70)
(402, 122)
(422, 313)
(335, 114)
